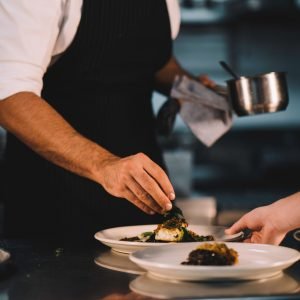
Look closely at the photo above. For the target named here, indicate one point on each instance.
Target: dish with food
(123, 239)
(173, 229)
(212, 254)
(255, 261)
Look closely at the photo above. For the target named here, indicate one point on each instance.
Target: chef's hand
(260, 222)
(206, 81)
(270, 224)
(139, 180)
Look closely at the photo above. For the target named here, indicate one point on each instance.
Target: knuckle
(132, 199)
(140, 194)
(120, 192)
(126, 166)
(146, 197)
(140, 156)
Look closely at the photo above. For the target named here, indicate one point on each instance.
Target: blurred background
(258, 160)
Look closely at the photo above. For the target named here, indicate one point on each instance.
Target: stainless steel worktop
(44, 270)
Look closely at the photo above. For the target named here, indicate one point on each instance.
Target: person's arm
(164, 78)
(29, 36)
(38, 125)
(270, 224)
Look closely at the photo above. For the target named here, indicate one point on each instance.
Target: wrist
(287, 212)
(101, 159)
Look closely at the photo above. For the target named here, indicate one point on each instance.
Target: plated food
(112, 237)
(255, 261)
(173, 229)
(212, 254)
(127, 239)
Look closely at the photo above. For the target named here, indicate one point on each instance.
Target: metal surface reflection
(148, 286)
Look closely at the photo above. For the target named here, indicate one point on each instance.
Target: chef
(76, 80)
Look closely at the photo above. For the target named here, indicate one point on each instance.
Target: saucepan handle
(220, 89)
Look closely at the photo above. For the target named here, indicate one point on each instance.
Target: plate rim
(100, 263)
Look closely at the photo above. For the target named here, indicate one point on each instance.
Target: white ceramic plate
(4, 256)
(256, 261)
(111, 237)
(118, 262)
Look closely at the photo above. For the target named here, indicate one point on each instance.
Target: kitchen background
(258, 161)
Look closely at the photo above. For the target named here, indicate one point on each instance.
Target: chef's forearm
(41, 128)
(164, 77)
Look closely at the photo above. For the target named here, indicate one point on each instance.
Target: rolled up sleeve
(28, 33)
(174, 14)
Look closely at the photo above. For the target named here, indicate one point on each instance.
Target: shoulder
(29, 30)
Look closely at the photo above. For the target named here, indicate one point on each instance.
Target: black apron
(102, 85)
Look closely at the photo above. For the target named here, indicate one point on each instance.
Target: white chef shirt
(33, 33)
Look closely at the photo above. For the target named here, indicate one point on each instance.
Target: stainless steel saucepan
(263, 93)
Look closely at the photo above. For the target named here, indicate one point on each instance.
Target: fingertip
(168, 206)
(172, 196)
(228, 231)
(234, 228)
(149, 211)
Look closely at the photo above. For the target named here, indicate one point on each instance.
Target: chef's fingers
(143, 196)
(153, 189)
(266, 235)
(260, 238)
(238, 225)
(161, 178)
(205, 80)
(270, 235)
(276, 239)
(131, 197)
(148, 174)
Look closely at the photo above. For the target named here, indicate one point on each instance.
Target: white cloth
(205, 112)
(33, 33)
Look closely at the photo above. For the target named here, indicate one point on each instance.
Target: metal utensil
(250, 95)
(229, 70)
(263, 93)
(174, 212)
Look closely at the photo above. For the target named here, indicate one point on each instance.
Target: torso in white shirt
(34, 33)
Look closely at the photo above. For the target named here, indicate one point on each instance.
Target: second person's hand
(139, 180)
(265, 230)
